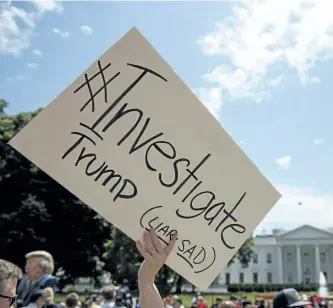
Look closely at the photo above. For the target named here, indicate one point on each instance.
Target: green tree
(38, 213)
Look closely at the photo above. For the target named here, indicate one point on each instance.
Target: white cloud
(299, 206)
(260, 34)
(212, 99)
(32, 65)
(283, 162)
(17, 25)
(318, 141)
(37, 53)
(48, 5)
(62, 34)
(19, 77)
(86, 30)
(276, 81)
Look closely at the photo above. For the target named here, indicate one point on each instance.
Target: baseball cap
(288, 298)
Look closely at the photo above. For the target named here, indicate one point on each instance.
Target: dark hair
(108, 292)
(8, 271)
(72, 300)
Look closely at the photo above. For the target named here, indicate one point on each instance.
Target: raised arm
(155, 256)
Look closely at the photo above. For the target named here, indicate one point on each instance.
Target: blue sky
(265, 72)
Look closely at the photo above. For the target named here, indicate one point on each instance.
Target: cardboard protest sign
(133, 142)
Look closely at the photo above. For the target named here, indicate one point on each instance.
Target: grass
(210, 299)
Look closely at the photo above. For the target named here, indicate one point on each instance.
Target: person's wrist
(144, 278)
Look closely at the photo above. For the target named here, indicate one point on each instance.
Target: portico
(304, 249)
(294, 256)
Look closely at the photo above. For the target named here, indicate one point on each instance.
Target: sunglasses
(11, 299)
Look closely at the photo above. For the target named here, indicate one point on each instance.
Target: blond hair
(48, 294)
(47, 262)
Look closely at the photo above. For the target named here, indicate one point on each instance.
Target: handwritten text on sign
(132, 141)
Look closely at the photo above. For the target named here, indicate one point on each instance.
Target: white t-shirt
(107, 304)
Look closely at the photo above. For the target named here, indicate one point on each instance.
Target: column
(298, 264)
(280, 267)
(317, 263)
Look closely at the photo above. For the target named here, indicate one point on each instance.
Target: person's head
(72, 300)
(37, 298)
(174, 299)
(288, 298)
(233, 299)
(49, 295)
(218, 301)
(178, 303)
(9, 276)
(108, 292)
(227, 304)
(200, 300)
(38, 263)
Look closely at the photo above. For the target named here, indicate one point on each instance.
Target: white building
(293, 256)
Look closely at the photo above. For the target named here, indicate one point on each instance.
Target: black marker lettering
(135, 146)
(219, 207)
(111, 175)
(203, 252)
(201, 209)
(129, 88)
(192, 173)
(132, 187)
(229, 214)
(175, 168)
(241, 229)
(183, 245)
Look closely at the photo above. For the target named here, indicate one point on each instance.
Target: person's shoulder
(108, 305)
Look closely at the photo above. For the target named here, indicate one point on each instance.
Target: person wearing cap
(288, 298)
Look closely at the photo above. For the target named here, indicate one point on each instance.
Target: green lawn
(210, 299)
(186, 298)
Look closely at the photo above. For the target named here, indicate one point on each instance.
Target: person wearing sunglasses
(10, 274)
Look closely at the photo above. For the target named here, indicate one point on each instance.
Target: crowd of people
(36, 288)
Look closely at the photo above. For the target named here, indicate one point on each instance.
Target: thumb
(171, 245)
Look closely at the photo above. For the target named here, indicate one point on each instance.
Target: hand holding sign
(155, 256)
(154, 253)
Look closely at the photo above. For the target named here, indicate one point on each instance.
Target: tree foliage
(38, 213)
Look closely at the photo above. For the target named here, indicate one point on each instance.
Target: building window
(255, 277)
(322, 257)
(290, 277)
(269, 258)
(241, 277)
(227, 278)
(289, 257)
(269, 277)
(255, 258)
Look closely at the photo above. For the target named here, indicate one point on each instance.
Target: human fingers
(143, 251)
(171, 245)
(156, 242)
(148, 244)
